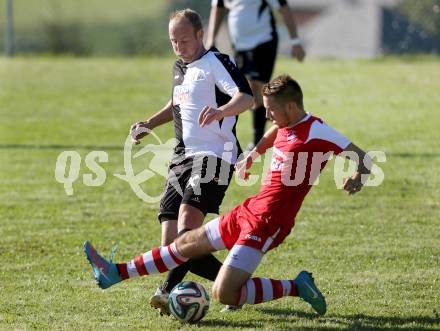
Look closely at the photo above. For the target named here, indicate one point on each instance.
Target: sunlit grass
(375, 255)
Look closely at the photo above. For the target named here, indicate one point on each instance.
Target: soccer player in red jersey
(302, 144)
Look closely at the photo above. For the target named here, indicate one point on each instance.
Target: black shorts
(258, 63)
(200, 182)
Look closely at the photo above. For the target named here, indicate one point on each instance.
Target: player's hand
(242, 166)
(139, 130)
(353, 184)
(298, 52)
(209, 115)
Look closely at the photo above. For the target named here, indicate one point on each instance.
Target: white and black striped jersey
(209, 81)
(250, 22)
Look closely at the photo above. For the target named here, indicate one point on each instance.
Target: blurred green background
(115, 27)
(97, 27)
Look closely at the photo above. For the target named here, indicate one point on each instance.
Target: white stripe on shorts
(212, 230)
(269, 241)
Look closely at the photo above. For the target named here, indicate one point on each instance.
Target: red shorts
(239, 228)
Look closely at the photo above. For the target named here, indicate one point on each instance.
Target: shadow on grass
(356, 322)
(225, 323)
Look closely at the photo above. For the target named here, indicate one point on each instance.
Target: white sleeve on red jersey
(327, 137)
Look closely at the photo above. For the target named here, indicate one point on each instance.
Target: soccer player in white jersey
(254, 38)
(302, 144)
(208, 93)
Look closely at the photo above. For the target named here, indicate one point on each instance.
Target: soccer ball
(188, 302)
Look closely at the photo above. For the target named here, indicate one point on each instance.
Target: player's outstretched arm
(267, 141)
(140, 129)
(238, 104)
(297, 49)
(355, 183)
(215, 20)
(263, 145)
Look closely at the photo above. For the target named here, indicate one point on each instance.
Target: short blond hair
(190, 15)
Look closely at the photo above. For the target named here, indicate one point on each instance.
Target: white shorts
(241, 257)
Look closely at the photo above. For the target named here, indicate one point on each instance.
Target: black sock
(176, 275)
(206, 266)
(259, 122)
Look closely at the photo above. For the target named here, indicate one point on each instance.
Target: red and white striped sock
(158, 260)
(258, 290)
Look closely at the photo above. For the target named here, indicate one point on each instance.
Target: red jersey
(300, 152)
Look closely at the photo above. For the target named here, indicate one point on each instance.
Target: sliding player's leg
(248, 241)
(158, 260)
(234, 285)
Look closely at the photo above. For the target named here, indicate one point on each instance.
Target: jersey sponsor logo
(181, 94)
(276, 164)
(291, 137)
(278, 159)
(253, 237)
(279, 153)
(195, 75)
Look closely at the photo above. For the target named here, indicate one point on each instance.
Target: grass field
(376, 256)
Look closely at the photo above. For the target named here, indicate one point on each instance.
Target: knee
(224, 295)
(183, 241)
(193, 243)
(215, 292)
(189, 217)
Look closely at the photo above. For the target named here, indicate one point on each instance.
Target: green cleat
(106, 272)
(308, 291)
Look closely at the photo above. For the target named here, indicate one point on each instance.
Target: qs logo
(68, 164)
(162, 153)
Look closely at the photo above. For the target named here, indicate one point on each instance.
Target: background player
(208, 93)
(254, 38)
(302, 144)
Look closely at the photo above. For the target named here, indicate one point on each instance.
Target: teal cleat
(308, 291)
(106, 272)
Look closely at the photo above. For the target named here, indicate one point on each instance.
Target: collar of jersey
(206, 51)
(303, 120)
